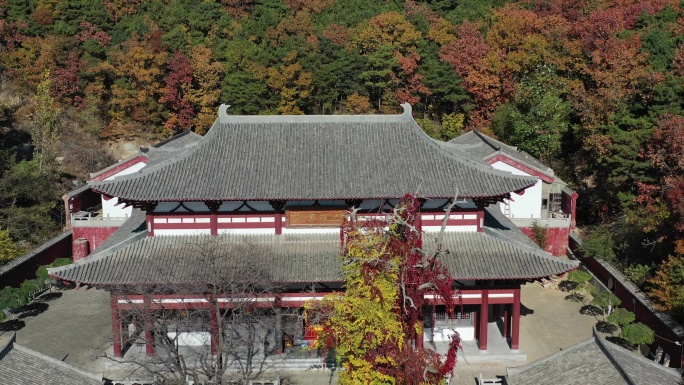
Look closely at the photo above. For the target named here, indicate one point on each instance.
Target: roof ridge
(616, 349)
(102, 254)
(97, 376)
(550, 357)
(225, 118)
(479, 179)
(131, 158)
(537, 251)
(169, 140)
(148, 170)
(462, 157)
(487, 139)
(609, 354)
(8, 346)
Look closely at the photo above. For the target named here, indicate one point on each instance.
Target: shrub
(540, 234)
(638, 333)
(13, 298)
(8, 249)
(637, 273)
(621, 317)
(606, 300)
(600, 244)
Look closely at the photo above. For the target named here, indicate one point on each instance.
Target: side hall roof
(314, 157)
(155, 153)
(485, 147)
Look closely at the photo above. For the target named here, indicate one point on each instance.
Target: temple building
(282, 185)
(550, 203)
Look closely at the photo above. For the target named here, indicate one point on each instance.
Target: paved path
(77, 328)
(554, 324)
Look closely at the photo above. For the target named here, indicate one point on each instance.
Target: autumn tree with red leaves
(177, 81)
(375, 325)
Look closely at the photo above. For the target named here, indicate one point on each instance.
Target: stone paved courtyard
(76, 328)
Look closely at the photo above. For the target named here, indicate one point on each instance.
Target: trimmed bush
(638, 333)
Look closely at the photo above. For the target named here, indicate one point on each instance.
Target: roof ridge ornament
(223, 112)
(408, 109)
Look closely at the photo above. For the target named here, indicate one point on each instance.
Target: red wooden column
(213, 223)
(515, 321)
(116, 325)
(278, 207)
(507, 321)
(149, 324)
(484, 318)
(213, 207)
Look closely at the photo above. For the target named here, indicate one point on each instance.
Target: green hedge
(12, 298)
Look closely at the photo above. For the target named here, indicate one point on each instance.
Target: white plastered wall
(527, 205)
(111, 208)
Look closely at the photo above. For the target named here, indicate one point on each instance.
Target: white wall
(442, 334)
(191, 338)
(111, 208)
(527, 205)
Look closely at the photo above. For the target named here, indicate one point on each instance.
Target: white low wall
(192, 339)
(442, 334)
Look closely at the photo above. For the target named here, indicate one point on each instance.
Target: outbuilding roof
(485, 147)
(20, 365)
(593, 361)
(314, 157)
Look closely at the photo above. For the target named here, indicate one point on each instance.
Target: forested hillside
(591, 87)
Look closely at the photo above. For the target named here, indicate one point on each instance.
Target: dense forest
(591, 87)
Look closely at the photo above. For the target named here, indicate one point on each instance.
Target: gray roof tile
(321, 157)
(485, 147)
(593, 362)
(21, 366)
(181, 259)
(301, 258)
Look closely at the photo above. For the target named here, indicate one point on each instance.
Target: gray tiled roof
(180, 259)
(485, 147)
(159, 152)
(134, 226)
(21, 366)
(170, 148)
(307, 157)
(303, 258)
(488, 255)
(593, 362)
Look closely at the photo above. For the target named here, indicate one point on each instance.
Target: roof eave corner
(408, 109)
(6, 347)
(223, 113)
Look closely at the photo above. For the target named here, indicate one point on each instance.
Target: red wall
(94, 235)
(655, 320)
(24, 267)
(556, 239)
